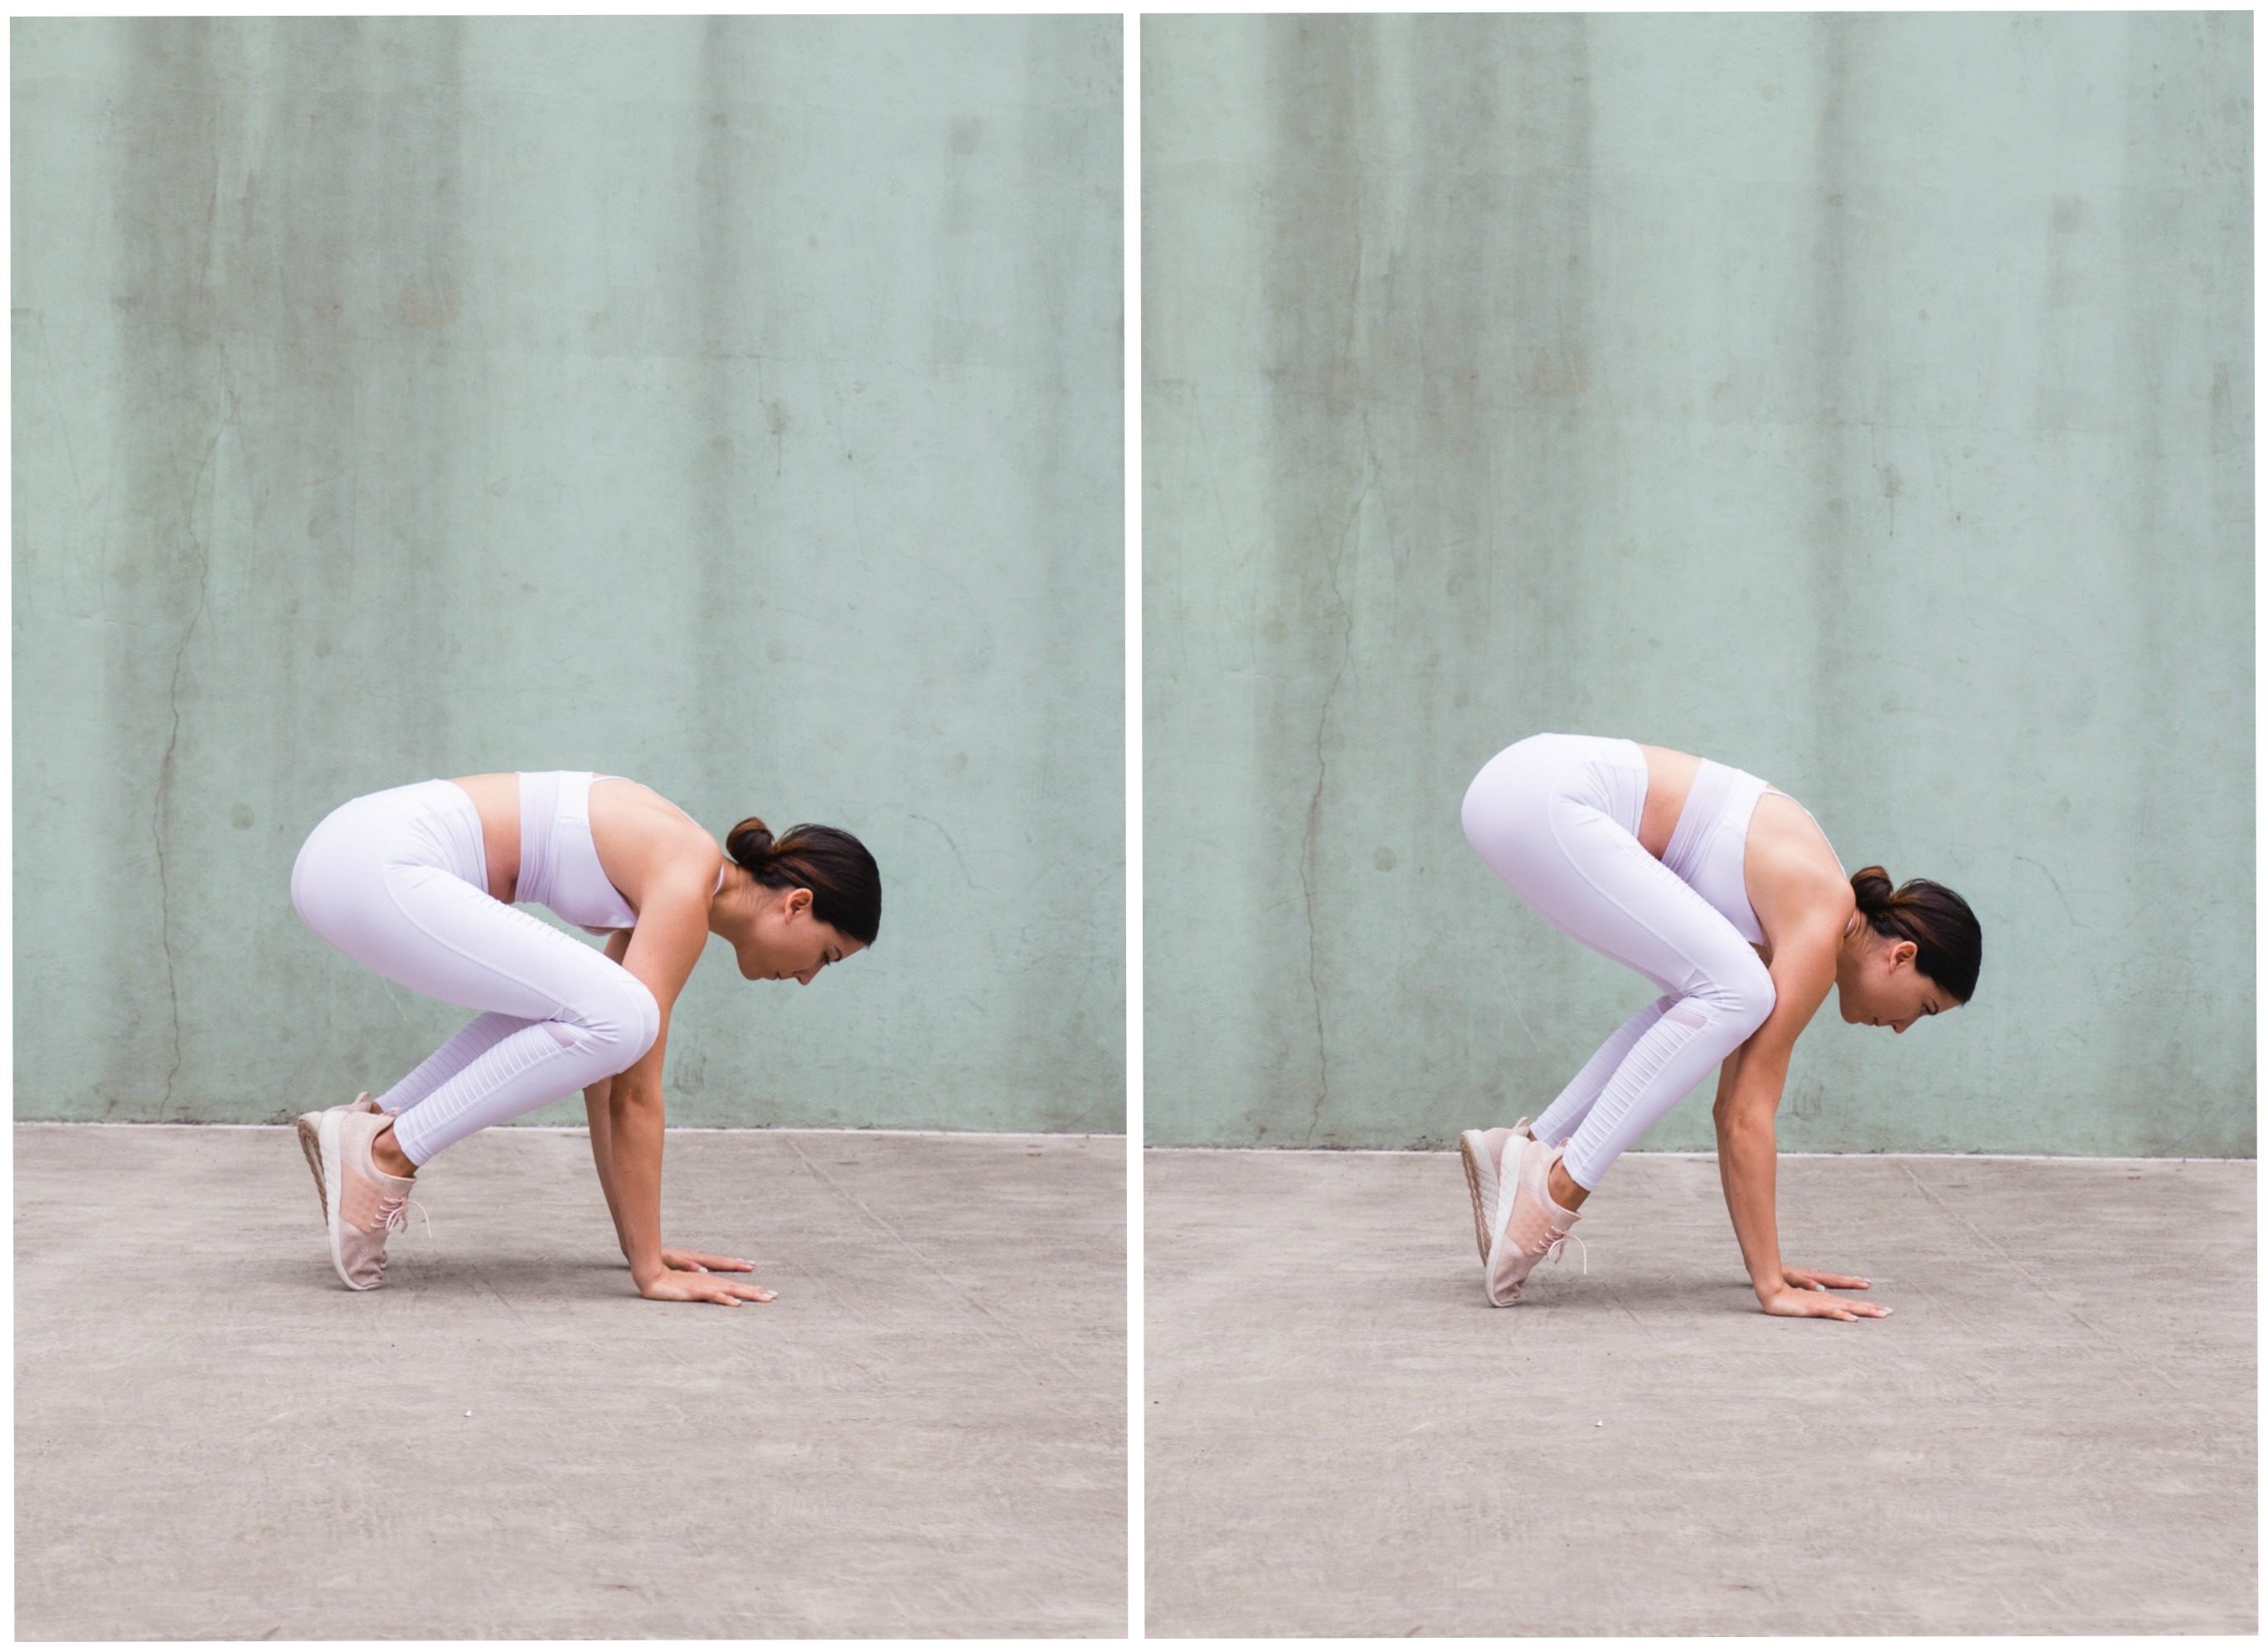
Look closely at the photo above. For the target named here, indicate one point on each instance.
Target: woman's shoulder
(652, 815)
(1787, 849)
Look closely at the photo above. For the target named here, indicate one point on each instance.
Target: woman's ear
(799, 901)
(1904, 952)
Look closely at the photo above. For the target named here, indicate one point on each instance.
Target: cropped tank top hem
(558, 861)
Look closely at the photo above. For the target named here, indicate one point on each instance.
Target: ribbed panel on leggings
(1666, 1062)
(1573, 1105)
(472, 1041)
(501, 1082)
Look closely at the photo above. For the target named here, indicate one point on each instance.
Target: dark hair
(1948, 945)
(845, 884)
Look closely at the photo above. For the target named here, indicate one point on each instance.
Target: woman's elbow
(1742, 1116)
(630, 1091)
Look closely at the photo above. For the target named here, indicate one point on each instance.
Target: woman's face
(1877, 985)
(784, 942)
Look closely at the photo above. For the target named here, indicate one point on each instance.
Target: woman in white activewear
(418, 883)
(1727, 895)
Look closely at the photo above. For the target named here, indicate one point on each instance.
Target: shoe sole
(326, 1133)
(1480, 1181)
(311, 1143)
(1508, 1190)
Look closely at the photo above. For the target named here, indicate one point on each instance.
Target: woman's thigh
(1587, 875)
(369, 884)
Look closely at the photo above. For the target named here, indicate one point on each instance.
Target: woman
(1726, 895)
(418, 883)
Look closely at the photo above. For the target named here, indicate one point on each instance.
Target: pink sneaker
(1530, 1227)
(311, 1142)
(1483, 1152)
(362, 1204)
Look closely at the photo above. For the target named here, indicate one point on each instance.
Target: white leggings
(1556, 817)
(399, 881)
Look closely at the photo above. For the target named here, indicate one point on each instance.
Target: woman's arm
(602, 1149)
(1748, 1098)
(673, 927)
(595, 1110)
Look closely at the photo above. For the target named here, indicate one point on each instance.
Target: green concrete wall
(1865, 401)
(732, 404)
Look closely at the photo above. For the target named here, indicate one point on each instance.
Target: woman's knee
(647, 1011)
(1747, 995)
(1731, 1003)
(618, 1021)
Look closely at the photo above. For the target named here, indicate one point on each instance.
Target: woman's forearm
(1747, 1157)
(634, 1111)
(602, 1150)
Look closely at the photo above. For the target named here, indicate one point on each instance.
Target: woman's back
(1787, 868)
(633, 835)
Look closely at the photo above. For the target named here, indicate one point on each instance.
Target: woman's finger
(690, 1259)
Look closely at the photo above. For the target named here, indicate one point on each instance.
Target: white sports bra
(559, 863)
(1709, 849)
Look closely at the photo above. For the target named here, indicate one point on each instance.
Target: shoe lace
(393, 1214)
(1556, 1241)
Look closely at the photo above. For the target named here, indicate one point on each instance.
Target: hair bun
(1948, 941)
(1872, 888)
(750, 842)
(845, 885)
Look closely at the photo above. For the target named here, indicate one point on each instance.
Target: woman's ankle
(1566, 1192)
(387, 1153)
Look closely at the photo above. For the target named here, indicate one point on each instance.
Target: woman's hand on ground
(1811, 1301)
(674, 1285)
(702, 1262)
(1813, 1279)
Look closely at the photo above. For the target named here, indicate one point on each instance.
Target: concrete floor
(2055, 1432)
(923, 1435)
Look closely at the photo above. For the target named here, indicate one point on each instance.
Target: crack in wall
(950, 845)
(1323, 774)
(162, 802)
